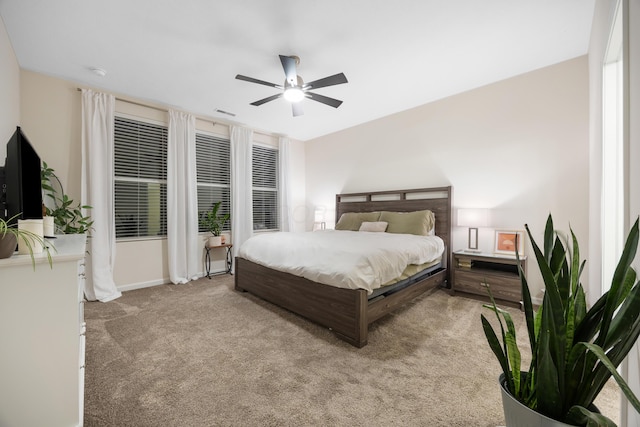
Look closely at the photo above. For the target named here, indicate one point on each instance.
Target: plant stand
(229, 259)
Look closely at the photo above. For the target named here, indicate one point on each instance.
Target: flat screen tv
(23, 189)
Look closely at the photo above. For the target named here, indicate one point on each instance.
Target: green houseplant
(67, 215)
(11, 235)
(214, 223)
(574, 350)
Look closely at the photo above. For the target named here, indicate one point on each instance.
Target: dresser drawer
(502, 286)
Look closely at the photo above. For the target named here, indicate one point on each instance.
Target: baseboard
(165, 281)
(140, 285)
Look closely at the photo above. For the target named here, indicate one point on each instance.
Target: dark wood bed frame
(347, 312)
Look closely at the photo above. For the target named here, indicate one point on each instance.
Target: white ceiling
(396, 54)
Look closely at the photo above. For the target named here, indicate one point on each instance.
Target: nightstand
(472, 273)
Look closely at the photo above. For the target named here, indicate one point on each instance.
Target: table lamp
(473, 218)
(318, 219)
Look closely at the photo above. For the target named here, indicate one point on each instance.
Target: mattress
(344, 259)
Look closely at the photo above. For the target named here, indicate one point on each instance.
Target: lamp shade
(318, 219)
(473, 217)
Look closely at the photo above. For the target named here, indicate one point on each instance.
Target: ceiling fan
(295, 89)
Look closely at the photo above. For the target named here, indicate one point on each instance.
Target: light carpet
(202, 354)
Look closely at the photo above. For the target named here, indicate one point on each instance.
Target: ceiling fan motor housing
(299, 83)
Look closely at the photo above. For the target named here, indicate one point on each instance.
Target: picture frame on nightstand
(507, 241)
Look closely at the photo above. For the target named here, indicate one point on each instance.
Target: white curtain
(182, 199)
(97, 192)
(286, 210)
(241, 186)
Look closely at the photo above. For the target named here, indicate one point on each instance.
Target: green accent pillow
(420, 223)
(351, 221)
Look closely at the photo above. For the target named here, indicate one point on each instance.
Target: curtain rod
(164, 110)
(206, 119)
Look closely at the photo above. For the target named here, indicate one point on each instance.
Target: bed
(348, 312)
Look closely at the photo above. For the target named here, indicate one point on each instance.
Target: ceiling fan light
(293, 94)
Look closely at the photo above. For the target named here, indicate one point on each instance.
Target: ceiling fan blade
(335, 103)
(336, 79)
(265, 100)
(260, 82)
(296, 108)
(289, 66)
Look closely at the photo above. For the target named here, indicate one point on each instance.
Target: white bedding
(345, 259)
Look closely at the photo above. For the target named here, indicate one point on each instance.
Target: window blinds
(140, 175)
(265, 188)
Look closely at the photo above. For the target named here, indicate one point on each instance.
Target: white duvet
(345, 259)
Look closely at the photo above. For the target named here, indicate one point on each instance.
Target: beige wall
(51, 111)
(518, 147)
(9, 91)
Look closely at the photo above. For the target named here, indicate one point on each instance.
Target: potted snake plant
(574, 350)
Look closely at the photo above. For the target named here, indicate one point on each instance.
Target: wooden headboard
(437, 200)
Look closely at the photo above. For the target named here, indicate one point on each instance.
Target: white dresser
(42, 337)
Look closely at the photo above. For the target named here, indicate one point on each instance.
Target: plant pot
(518, 415)
(8, 245)
(214, 241)
(30, 242)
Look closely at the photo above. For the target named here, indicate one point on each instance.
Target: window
(140, 175)
(213, 167)
(265, 188)
(613, 148)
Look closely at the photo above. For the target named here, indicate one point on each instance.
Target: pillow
(351, 221)
(378, 226)
(420, 223)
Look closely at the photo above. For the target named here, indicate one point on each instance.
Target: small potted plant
(67, 216)
(574, 351)
(214, 223)
(11, 236)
